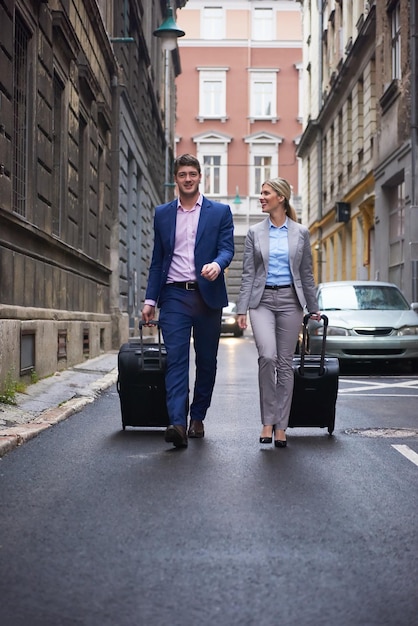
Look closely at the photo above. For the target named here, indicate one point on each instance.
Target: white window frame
(262, 145)
(258, 78)
(214, 144)
(212, 23)
(263, 24)
(209, 109)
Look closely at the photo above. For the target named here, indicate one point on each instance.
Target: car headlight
(407, 330)
(331, 330)
(230, 320)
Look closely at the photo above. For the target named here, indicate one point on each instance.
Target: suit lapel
(293, 239)
(171, 222)
(203, 218)
(264, 240)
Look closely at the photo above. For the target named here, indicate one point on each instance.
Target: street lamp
(168, 32)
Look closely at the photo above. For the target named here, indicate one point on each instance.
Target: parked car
(229, 321)
(368, 321)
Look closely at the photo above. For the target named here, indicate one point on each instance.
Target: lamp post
(169, 33)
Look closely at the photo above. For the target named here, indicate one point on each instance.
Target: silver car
(368, 321)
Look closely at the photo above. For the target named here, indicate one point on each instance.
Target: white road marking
(356, 386)
(407, 452)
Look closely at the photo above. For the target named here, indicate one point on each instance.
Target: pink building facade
(239, 98)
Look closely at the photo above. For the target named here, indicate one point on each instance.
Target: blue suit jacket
(214, 242)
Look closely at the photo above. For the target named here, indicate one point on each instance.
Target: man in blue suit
(193, 245)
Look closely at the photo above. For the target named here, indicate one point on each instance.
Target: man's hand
(148, 313)
(210, 271)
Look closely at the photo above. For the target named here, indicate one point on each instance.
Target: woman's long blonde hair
(282, 188)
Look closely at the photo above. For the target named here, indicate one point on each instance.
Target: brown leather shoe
(196, 429)
(176, 435)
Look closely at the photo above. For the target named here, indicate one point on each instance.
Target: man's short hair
(186, 159)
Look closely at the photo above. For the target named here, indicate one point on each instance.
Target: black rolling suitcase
(316, 386)
(141, 382)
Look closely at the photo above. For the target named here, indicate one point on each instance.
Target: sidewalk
(53, 399)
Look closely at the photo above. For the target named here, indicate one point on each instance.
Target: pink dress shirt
(182, 268)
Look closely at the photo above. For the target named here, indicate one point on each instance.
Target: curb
(15, 436)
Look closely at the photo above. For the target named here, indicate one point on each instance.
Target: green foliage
(10, 388)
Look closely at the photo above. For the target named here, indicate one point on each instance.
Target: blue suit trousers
(184, 314)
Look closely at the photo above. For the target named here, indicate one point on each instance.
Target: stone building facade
(358, 144)
(82, 148)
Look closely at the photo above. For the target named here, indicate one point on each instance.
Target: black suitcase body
(315, 386)
(141, 382)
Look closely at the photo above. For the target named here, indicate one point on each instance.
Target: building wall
(55, 207)
(338, 142)
(358, 146)
(82, 156)
(396, 212)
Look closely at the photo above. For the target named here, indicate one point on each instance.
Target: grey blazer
(256, 262)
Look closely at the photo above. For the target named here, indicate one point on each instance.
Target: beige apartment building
(359, 142)
(239, 102)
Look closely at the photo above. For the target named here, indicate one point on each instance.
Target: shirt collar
(283, 226)
(196, 206)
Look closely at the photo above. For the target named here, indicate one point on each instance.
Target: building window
(27, 351)
(62, 344)
(212, 94)
(396, 41)
(397, 212)
(20, 114)
(80, 214)
(86, 342)
(263, 24)
(263, 89)
(396, 199)
(263, 158)
(57, 172)
(299, 69)
(212, 152)
(262, 171)
(213, 23)
(211, 174)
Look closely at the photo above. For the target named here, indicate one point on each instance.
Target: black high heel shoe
(280, 443)
(267, 439)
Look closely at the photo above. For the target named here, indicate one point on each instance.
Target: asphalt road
(111, 528)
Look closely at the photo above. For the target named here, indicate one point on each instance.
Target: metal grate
(20, 113)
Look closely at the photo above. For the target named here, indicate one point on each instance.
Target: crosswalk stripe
(407, 452)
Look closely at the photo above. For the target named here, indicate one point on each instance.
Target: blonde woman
(277, 283)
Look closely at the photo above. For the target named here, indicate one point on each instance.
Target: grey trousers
(275, 324)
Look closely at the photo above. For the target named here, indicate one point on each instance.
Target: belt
(275, 287)
(188, 286)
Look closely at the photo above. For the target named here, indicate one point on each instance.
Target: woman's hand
(242, 321)
(316, 316)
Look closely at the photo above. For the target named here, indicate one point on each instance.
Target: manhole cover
(398, 433)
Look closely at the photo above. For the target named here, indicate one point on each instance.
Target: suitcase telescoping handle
(141, 338)
(306, 319)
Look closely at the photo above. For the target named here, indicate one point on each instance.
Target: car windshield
(231, 308)
(361, 297)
